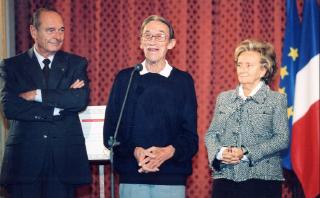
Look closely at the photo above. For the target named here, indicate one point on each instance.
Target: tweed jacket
(259, 124)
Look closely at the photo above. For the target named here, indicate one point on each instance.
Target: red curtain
(107, 33)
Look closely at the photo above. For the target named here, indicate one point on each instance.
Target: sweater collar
(165, 72)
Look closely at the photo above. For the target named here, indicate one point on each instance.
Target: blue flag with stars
(289, 65)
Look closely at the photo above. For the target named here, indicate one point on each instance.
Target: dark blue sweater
(159, 112)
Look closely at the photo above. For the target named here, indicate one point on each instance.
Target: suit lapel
(34, 70)
(58, 68)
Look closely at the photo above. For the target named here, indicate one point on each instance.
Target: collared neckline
(259, 96)
(164, 72)
(40, 58)
(252, 93)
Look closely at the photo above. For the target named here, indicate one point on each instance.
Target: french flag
(305, 145)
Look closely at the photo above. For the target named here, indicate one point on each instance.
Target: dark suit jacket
(35, 129)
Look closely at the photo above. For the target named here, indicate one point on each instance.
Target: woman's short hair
(162, 20)
(267, 56)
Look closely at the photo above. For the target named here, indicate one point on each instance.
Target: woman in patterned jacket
(249, 129)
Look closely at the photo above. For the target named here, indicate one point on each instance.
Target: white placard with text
(92, 125)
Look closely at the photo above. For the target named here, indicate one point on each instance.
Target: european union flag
(289, 65)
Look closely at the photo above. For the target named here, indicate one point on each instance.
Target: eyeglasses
(157, 37)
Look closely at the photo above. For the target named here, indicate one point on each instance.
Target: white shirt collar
(254, 91)
(40, 58)
(165, 72)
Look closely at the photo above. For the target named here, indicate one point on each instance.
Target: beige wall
(3, 54)
(3, 19)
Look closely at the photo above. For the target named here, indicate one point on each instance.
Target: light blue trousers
(152, 191)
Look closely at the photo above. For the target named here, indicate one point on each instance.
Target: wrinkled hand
(29, 95)
(155, 157)
(151, 159)
(77, 84)
(232, 155)
(143, 157)
(237, 152)
(139, 153)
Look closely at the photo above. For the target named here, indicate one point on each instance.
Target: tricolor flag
(305, 146)
(290, 59)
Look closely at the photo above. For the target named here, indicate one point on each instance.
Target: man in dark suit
(44, 89)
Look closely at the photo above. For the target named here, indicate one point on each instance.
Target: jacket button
(45, 136)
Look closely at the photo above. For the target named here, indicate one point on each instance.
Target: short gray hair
(35, 20)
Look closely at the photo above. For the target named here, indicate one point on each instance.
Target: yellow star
(290, 112)
(282, 90)
(283, 72)
(293, 53)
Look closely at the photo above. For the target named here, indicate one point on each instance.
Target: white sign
(92, 125)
